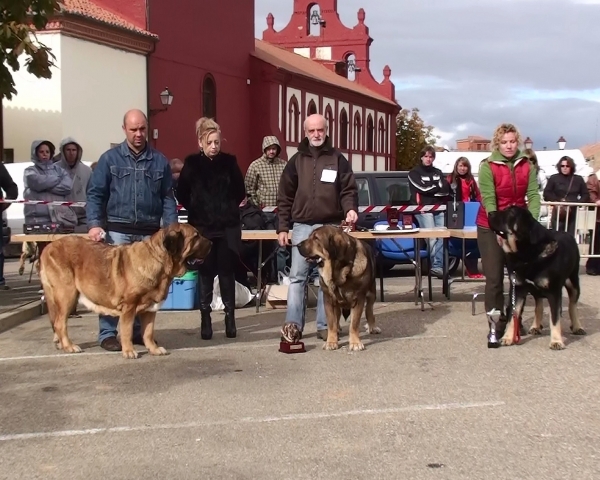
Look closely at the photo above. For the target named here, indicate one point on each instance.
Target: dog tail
(346, 313)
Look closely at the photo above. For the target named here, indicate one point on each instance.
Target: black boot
(205, 295)
(227, 284)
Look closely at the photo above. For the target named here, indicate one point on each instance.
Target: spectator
(462, 180)
(317, 187)
(592, 266)
(428, 186)
(565, 186)
(46, 180)
(8, 186)
(506, 178)
(70, 160)
(262, 182)
(125, 207)
(211, 188)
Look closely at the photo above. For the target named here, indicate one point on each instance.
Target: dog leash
(513, 301)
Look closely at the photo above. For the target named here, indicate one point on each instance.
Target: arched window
(382, 142)
(370, 134)
(343, 130)
(209, 97)
(357, 143)
(293, 120)
(314, 20)
(330, 122)
(351, 66)
(312, 108)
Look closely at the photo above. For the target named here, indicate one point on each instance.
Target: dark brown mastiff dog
(119, 280)
(347, 270)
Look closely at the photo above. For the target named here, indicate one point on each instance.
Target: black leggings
(220, 261)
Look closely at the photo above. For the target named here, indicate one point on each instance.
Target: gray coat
(47, 181)
(80, 173)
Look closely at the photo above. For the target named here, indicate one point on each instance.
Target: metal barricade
(579, 220)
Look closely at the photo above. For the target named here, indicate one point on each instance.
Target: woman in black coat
(211, 188)
(565, 186)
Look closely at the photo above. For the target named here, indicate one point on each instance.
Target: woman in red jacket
(466, 191)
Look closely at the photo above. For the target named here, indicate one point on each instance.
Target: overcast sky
(471, 64)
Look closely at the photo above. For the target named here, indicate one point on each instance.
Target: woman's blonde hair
(205, 126)
(502, 130)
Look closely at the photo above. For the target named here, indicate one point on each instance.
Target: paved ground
(426, 400)
(21, 290)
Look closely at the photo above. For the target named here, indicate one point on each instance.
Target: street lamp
(528, 143)
(561, 143)
(166, 99)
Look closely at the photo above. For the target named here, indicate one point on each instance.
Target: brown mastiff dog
(347, 270)
(119, 280)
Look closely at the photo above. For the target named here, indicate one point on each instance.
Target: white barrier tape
(269, 209)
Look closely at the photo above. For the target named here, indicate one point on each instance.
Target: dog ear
(342, 248)
(174, 242)
(538, 233)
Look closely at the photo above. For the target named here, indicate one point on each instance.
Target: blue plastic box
(182, 293)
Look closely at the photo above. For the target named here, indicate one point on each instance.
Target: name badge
(328, 176)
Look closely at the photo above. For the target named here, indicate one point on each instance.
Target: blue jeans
(108, 324)
(433, 220)
(296, 299)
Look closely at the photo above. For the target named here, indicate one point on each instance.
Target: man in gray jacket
(69, 159)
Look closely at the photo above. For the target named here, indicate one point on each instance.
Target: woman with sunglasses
(565, 186)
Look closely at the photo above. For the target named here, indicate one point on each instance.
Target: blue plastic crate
(182, 293)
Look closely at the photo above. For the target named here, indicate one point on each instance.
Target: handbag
(562, 212)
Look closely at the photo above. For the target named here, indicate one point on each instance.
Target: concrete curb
(20, 315)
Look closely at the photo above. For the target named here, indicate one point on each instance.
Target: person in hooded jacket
(262, 182)
(69, 159)
(428, 186)
(46, 180)
(466, 191)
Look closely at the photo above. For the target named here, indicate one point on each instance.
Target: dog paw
(535, 331)
(506, 342)
(159, 351)
(557, 345)
(21, 270)
(72, 348)
(356, 347)
(330, 346)
(374, 330)
(578, 331)
(130, 354)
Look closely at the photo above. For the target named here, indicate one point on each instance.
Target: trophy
(407, 222)
(392, 218)
(290, 339)
(493, 319)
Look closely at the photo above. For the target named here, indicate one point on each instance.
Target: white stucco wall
(99, 84)
(91, 88)
(36, 111)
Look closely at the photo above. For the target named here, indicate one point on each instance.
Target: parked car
(376, 189)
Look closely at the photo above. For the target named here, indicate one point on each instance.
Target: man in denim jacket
(129, 192)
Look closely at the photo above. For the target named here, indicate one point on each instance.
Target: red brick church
(206, 54)
(267, 87)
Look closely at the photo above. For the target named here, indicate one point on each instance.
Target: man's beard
(317, 143)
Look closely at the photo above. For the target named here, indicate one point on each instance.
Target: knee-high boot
(227, 284)
(205, 294)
